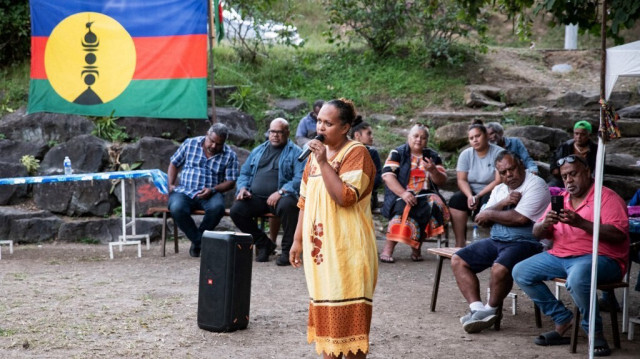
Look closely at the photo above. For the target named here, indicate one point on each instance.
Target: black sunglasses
(572, 159)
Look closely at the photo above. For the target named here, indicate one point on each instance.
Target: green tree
(380, 23)
(584, 13)
(14, 31)
(439, 24)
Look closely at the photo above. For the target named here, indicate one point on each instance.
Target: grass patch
(14, 87)
(7, 332)
(88, 240)
(400, 85)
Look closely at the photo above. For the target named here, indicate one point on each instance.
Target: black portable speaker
(225, 281)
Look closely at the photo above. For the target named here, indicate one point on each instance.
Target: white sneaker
(467, 316)
(480, 320)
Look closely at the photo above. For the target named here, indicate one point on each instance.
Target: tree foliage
(437, 25)
(380, 23)
(622, 14)
(14, 31)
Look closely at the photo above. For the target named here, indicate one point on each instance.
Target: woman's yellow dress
(339, 253)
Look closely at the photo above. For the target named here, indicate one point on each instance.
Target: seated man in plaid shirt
(209, 168)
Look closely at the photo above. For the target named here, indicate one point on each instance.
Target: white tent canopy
(623, 60)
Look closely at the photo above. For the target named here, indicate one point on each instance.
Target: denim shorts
(482, 254)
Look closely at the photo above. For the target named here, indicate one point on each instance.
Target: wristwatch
(281, 192)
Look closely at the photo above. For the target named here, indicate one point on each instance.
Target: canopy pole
(598, 186)
(214, 118)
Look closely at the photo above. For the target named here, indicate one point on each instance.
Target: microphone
(307, 151)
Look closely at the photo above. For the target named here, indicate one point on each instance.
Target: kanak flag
(135, 57)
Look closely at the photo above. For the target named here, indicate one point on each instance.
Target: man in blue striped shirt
(208, 169)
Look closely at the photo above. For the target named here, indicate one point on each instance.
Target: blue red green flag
(137, 57)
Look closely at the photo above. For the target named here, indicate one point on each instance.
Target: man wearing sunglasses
(269, 182)
(571, 231)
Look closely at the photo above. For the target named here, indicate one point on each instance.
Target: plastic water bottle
(475, 235)
(67, 166)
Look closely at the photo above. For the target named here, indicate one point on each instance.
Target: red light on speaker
(209, 281)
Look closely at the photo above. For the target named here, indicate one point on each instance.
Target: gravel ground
(61, 300)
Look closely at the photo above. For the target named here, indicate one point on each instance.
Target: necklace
(580, 152)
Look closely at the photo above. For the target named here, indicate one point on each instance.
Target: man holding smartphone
(571, 231)
(513, 207)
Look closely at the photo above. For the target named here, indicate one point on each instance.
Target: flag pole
(210, 54)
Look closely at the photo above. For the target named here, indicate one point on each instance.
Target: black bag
(225, 281)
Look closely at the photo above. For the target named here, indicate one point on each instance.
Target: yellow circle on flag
(90, 58)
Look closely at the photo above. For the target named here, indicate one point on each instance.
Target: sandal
(601, 348)
(551, 338)
(416, 256)
(384, 258)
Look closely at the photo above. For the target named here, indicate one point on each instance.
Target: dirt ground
(60, 300)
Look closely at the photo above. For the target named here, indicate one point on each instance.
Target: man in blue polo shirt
(208, 169)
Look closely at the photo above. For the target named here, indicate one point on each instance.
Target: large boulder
(629, 112)
(537, 150)
(525, 95)
(175, 129)
(12, 151)
(437, 119)
(153, 152)
(43, 127)
(591, 100)
(105, 230)
(551, 136)
(293, 106)
(625, 186)
(452, 181)
(382, 119)
(476, 99)
(10, 193)
(270, 115)
(558, 118)
(75, 198)
(629, 127)
(88, 154)
(453, 136)
(621, 164)
(23, 226)
(9, 214)
(625, 145)
(242, 154)
(242, 127)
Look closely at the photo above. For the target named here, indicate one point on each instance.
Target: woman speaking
(335, 238)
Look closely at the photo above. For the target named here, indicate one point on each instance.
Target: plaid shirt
(200, 172)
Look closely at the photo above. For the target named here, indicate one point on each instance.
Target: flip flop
(416, 256)
(386, 259)
(601, 348)
(551, 338)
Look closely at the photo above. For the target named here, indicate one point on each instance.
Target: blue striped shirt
(200, 172)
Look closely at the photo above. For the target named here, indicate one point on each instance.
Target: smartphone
(557, 203)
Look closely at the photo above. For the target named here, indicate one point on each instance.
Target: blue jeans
(181, 206)
(531, 273)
